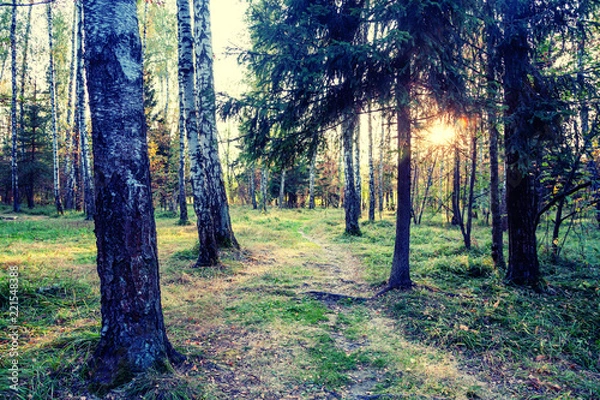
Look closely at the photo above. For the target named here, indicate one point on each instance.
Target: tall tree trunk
(264, 189)
(471, 199)
(356, 164)
(400, 273)
(208, 250)
(56, 166)
(381, 161)
(492, 122)
(183, 214)
(133, 337)
(351, 199)
(24, 69)
(253, 188)
(282, 190)
(70, 139)
(208, 124)
(88, 184)
(311, 182)
(13, 111)
(521, 197)
(371, 168)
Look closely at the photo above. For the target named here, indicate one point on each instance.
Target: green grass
(249, 327)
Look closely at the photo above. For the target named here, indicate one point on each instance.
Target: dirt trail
(255, 363)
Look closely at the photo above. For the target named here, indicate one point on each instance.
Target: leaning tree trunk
(400, 273)
(133, 337)
(183, 214)
(88, 184)
(13, 111)
(208, 125)
(351, 199)
(521, 197)
(56, 169)
(208, 251)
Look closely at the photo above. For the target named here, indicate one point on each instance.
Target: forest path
(298, 322)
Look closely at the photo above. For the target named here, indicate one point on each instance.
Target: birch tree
(207, 122)
(208, 250)
(133, 337)
(56, 166)
(80, 118)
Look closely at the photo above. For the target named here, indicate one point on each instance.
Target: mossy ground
(291, 315)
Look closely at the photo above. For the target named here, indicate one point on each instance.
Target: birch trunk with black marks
(264, 189)
(52, 85)
(133, 337)
(183, 214)
(13, 111)
(208, 250)
(356, 164)
(70, 140)
(24, 69)
(88, 184)
(351, 198)
(400, 273)
(207, 121)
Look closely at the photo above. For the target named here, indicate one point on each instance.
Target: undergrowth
(249, 328)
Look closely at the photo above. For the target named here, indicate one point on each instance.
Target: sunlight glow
(440, 134)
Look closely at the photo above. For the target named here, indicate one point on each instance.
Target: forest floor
(292, 315)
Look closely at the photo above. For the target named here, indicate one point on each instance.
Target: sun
(440, 134)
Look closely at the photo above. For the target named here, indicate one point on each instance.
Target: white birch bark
(88, 185)
(208, 254)
(208, 123)
(52, 84)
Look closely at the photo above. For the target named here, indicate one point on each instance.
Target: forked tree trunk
(133, 337)
(208, 250)
(13, 111)
(207, 121)
(351, 199)
(400, 273)
(56, 166)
